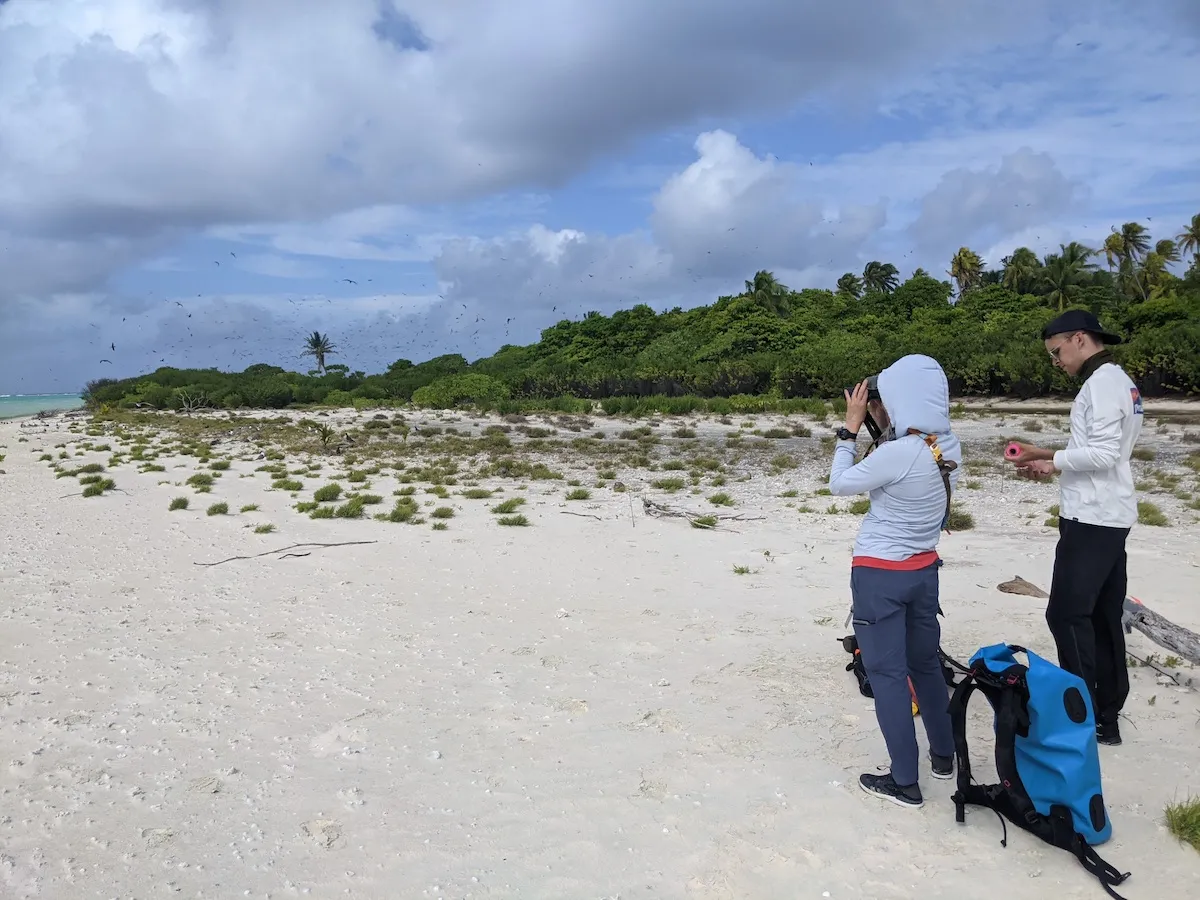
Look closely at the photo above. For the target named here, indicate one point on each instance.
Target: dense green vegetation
(772, 343)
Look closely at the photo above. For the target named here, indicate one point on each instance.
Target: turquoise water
(28, 404)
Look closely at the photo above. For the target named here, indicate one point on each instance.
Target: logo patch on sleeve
(1136, 395)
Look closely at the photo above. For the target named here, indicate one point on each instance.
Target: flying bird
(109, 361)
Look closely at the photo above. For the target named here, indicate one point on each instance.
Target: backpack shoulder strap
(945, 467)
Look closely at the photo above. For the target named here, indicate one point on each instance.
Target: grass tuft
(1150, 514)
(178, 503)
(218, 509)
(1183, 821)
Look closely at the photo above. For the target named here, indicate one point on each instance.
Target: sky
(204, 182)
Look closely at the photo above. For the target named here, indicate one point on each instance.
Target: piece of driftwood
(1020, 586)
(1161, 630)
(1179, 640)
(660, 510)
(582, 515)
(283, 550)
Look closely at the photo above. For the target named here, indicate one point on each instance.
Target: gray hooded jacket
(908, 496)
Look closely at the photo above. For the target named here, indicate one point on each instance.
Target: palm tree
(1063, 273)
(850, 285)
(1135, 241)
(918, 272)
(966, 268)
(319, 346)
(1114, 251)
(880, 277)
(1189, 239)
(1020, 270)
(1168, 250)
(768, 293)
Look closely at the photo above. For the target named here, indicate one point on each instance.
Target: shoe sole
(890, 798)
(943, 776)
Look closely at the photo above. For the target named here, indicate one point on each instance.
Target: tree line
(773, 344)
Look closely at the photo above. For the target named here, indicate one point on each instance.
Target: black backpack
(850, 645)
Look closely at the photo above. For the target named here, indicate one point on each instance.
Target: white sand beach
(598, 705)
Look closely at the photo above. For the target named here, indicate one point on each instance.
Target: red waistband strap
(912, 563)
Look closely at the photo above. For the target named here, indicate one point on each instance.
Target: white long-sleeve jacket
(1096, 485)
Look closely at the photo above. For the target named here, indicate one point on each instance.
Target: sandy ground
(595, 706)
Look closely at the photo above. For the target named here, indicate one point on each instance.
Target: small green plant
(264, 528)
(721, 499)
(218, 509)
(290, 485)
(443, 512)
(1145, 454)
(705, 522)
(960, 519)
(519, 521)
(201, 480)
(1183, 821)
(328, 493)
(1150, 514)
(741, 570)
(668, 484)
(405, 510)
(353, 508)
(789, 493)
(860, 507)
(322, 512)
(219, 465)
(249, 507)
(178, 503)
(510, 505)
(477, 493)
(307, 506)
(579, 494)
(439, 526)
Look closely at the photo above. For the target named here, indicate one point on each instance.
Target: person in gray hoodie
(894, 574)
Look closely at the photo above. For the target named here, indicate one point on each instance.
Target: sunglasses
(1056, 350)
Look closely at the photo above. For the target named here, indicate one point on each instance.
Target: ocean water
(15, 405)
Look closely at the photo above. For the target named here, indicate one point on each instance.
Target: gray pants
(895, 621)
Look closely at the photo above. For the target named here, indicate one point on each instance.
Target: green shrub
(328, 493)
(464, 389)
(178, 503)
(218, 509)
(1149, 514)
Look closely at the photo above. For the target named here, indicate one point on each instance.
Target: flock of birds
(211, 331)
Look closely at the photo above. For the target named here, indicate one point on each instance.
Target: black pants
(1087, 598)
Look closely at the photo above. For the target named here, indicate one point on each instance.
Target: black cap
(1079, 320)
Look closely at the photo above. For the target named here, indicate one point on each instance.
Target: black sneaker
(885, 786)
(943, 766)
(1108, 733)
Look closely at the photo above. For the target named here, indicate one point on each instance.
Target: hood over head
(916, 394)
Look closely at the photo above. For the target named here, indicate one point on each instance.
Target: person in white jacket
(1097, 509)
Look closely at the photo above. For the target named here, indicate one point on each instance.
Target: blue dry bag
(1046, 754)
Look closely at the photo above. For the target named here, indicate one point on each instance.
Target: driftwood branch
(1179, 640)
(283, 550)
(1151, 664)
(1162, 631)
(583, 515)
(660, 510)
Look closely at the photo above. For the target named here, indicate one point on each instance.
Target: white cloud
(294, 129)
